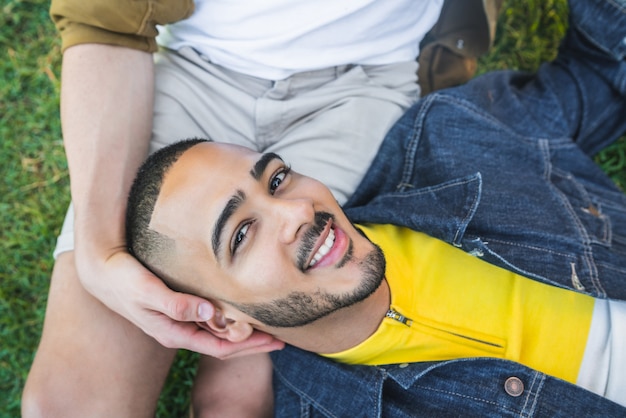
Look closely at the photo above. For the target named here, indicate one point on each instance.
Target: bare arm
(106, 112)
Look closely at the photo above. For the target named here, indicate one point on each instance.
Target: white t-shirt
(274, 39)
(603, 369)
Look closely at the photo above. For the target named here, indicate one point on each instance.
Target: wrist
(97, 235)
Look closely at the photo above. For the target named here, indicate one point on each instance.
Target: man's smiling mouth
(324, 248)
(309, 253)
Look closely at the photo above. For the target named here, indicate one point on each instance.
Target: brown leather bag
(448, 54)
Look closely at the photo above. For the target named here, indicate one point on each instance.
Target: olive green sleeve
(116, 22)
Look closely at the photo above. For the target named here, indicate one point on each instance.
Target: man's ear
(227, 329)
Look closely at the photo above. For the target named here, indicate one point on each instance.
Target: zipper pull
(396, 316)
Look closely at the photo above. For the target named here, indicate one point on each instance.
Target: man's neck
(343, 329)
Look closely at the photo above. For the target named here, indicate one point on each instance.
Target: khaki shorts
(328, 124)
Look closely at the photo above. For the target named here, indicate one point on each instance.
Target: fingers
(187, 308)
(175, 326)
(167, 316)
(259, 342)
(189, 336)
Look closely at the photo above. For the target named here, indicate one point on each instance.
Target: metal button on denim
(514, 386)
(592, 210)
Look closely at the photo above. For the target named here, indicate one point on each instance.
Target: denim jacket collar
(456, 202)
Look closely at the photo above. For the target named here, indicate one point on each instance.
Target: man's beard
(300, 308)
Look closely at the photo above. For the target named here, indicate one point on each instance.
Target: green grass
(34, 192)
(34, 186)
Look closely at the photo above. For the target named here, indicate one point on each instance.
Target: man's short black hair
(147, 245)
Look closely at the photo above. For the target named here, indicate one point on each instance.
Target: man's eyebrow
(259, 167)
(233, 203)
(237, 199)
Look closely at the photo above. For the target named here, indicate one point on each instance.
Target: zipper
(397, 316)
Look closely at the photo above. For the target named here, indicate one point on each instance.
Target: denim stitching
(587, 255)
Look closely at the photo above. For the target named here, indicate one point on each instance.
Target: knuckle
(178, 308)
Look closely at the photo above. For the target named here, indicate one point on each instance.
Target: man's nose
(293, 215)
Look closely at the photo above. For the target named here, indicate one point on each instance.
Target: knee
(52, 392)
(39, 401)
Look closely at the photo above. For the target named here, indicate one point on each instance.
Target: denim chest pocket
(588, 210)
(583, 248)
(601, 211)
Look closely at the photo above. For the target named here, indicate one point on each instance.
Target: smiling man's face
(253, 234)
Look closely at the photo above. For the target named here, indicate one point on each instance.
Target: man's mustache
(310, 237)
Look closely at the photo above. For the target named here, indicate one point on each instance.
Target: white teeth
(324, 249)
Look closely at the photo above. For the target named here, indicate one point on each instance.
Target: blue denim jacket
(501, 168)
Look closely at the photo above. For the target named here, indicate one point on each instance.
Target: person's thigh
(238, 387)
(90, 361)
(195, 98)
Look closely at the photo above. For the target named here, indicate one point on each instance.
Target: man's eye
(278, 179)
(240, 235)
